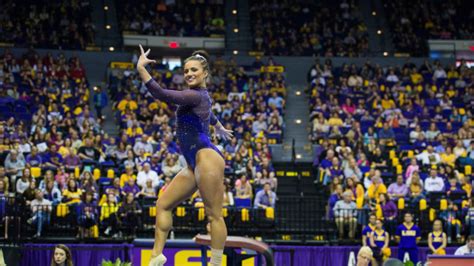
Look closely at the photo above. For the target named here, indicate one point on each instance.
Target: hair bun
(201, 53)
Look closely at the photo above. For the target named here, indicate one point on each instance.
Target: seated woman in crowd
(243, 188)
(148, 191)
(415, 185)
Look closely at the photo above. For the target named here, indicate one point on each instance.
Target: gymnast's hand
(222, 132)
(143, 60)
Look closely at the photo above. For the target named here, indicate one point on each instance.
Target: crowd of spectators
(415, 22)
(395, 137)
(203, 18)
(47, 24)
(324, 28)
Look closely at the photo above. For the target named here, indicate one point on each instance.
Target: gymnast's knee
(160, 207)
(213, 215)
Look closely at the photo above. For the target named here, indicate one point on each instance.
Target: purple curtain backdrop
(82, 254)
(93, 254)
(328, 255)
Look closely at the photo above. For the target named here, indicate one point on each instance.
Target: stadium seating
(178, 18)
(372, 122)
(322, 28)
(414, 22)
(47, 24)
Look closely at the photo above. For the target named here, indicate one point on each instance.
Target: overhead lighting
(385, 53)
(234, 11)
(379, 32)
(236, 30)
(298, 156)
(108, 27)
(111, 48)
(106, 8)
(374, 13)
(298, 121)
(298, 93)
(236, 52)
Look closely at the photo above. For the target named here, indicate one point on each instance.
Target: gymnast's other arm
(220, 130)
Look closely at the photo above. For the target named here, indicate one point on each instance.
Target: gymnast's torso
(194, 116)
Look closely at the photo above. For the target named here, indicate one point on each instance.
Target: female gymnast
(205, 169)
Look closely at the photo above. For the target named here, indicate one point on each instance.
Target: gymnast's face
(194, 74)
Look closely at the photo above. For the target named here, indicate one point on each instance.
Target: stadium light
(111, 48)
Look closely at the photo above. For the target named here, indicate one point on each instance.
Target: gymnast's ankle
(216, 257)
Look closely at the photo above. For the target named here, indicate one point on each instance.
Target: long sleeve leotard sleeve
(186, 97)
(213, 121)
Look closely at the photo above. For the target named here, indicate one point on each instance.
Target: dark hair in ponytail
(204, 58)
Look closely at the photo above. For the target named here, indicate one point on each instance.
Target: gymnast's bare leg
(181, 187)
(209, 173)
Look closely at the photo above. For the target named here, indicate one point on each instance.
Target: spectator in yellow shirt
(416, 78)
(72, 194)
(335, 120)
(465, 185)
(387, 103)
(376, 188)
(448, 157)
(127, 175)
(108, 215)
(453, 73)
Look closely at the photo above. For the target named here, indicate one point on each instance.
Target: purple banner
(189, 255)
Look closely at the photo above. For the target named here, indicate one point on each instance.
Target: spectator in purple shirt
(34, 159)
(72, 160)
(52, 159)
(333, 171)
(155, 163)
(389, 211)
(130, 187)
(335, 197)
(398, 189)
(386, 133)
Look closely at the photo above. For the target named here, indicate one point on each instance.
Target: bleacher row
(65, 219)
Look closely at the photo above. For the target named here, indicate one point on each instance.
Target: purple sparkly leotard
(193, 117)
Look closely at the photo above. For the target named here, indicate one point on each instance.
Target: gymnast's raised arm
(186, 97)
